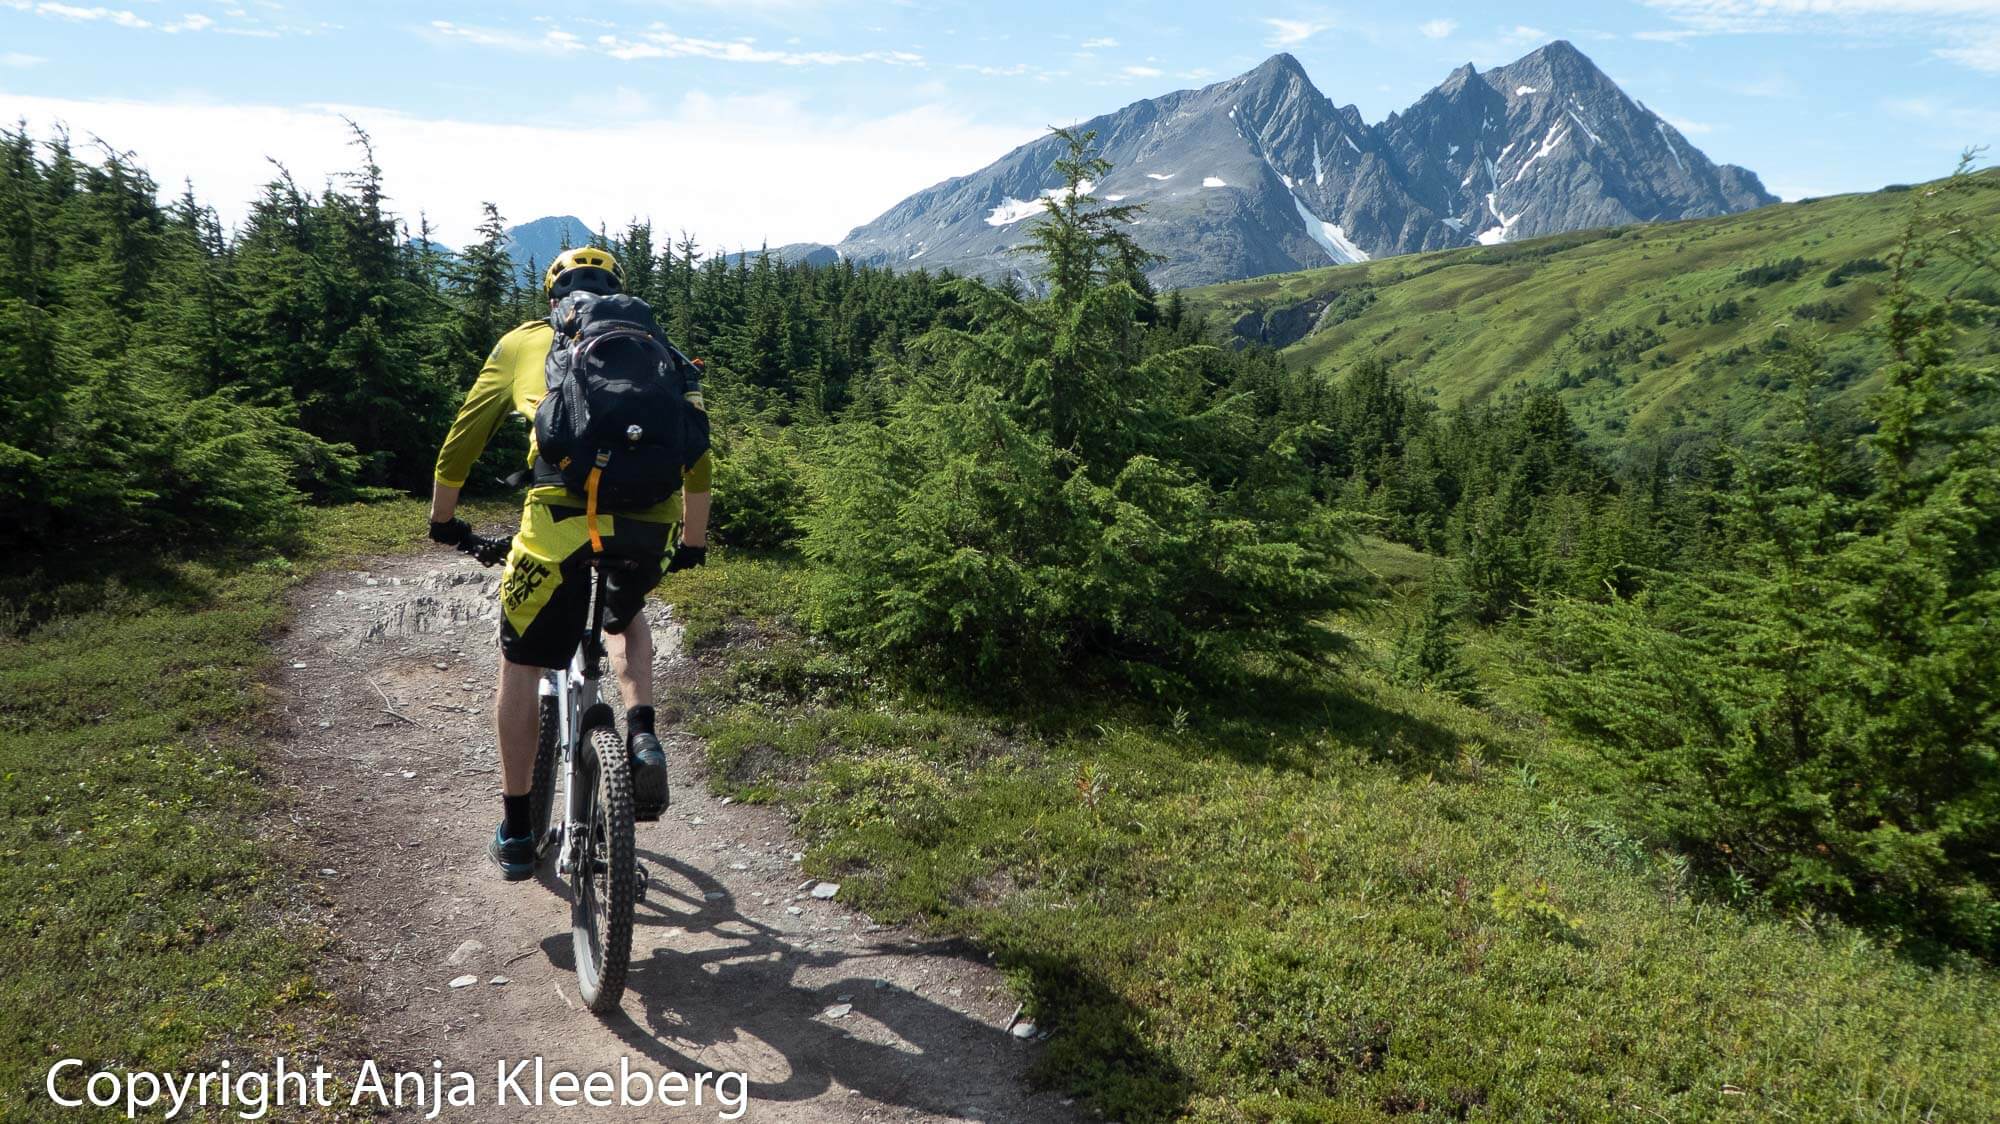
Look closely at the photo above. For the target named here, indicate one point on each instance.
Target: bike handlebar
(489, 552)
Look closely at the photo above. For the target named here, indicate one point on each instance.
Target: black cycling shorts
(545, 589)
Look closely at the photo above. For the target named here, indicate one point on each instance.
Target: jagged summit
(1263, 173)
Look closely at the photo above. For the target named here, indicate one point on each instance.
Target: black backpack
(616, 425)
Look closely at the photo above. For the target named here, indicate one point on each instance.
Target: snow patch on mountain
(1496, 235)
(1586, 129)
(1011, 211)
(1556, 134)
(1330, 237)
(1213, 181)
(1671, 150)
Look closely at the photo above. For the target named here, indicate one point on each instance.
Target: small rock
(696, 821)
(298, 665)
(838, 1010)
(464, 953)
(499, 981)
(408, 775)
(726, 801)
(798, 856)
(739, 866)
(842, 998)
(879, 984)
(793, 910)
(826, 890)
(328, 871)
(808, 884)
(324, 724)
(440, 665)
(715, 895)
(1024, 1030)
(372, 581)
(464, 981)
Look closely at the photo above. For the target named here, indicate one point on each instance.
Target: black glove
(451, 532)
(687, 558)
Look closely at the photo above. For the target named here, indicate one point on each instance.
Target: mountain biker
(544, 594)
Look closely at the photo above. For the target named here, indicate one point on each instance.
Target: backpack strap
(590, 501)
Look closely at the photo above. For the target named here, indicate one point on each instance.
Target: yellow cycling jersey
(513, 381)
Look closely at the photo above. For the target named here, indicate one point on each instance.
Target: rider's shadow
(894, 1046)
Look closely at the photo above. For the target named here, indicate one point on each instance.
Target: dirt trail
(387, 685)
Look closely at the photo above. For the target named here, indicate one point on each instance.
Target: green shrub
(760, 491)
(1429, 653)
(1822, 717)
(1770, 273)
(1061, 488)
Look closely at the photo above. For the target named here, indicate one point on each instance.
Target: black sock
(638, 720)
(515, 808)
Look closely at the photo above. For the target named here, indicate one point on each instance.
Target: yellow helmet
(589, 259)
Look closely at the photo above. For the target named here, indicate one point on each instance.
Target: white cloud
(1104, 43)
(1769, 86)
(120, 17)
(1014, 71)
(1729, 15)
(659, 43)
(770, 145)
(1691, 128)
(1677, 36)
(1521, 35)
(1950, 118)
(547, 42)
(1982, 53)
(87, 15)
(15, 60)
(1144, 71)
(1971, 28)
(1286, 32)
(1438, 29)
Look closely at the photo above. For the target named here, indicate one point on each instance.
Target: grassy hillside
(148, 922)
(1338, 901)
(1644, 329)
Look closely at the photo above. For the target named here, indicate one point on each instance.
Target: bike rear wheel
(604, 876)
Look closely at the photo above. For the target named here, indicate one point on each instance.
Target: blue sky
(784, 120)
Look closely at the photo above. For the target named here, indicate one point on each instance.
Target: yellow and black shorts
(545, 589)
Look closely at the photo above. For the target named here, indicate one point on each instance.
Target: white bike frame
(575, 690)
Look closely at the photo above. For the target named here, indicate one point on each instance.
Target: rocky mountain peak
(1262, 173)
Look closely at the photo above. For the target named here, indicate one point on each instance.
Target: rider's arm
(695, 483)
(694, 518)
(487, 404)
(444, 501)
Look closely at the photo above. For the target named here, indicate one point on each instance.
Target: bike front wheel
(604, 876)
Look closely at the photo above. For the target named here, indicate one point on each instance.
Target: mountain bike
(580, 747)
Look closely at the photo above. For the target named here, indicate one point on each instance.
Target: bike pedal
(641, 878)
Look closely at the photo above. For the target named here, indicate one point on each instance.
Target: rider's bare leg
(632, 660)
(514, 724)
